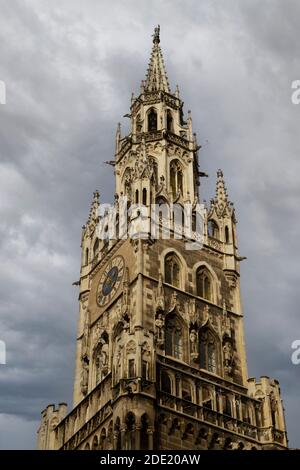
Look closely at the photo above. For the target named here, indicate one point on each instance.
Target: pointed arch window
(208, 351)
(152, 120)
(213, 229)
(174, 338)
(129, 437)
(176, 178)
(172, 270)
(204, 284)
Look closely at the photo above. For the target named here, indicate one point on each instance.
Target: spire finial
(156, 76)
(156, 38)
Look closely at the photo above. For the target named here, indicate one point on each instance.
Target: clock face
(110, 281)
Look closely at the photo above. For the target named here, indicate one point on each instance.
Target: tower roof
(156, 76)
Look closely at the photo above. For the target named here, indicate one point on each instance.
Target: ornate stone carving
(228, 358)
(160, 295)
(194, 345)
(159, 330)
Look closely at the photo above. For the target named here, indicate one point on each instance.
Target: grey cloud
(70, 68)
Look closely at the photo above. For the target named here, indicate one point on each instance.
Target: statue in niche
(194, 344)
(228, 357)
(160, 332)
(84, 377)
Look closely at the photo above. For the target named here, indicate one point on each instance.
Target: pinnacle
(156, 76)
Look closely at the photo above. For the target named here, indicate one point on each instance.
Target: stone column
(150, 432)
(137, 432)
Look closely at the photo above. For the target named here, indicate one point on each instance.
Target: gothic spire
(221, 203)
(156, 76)
(221, 191)
(93, 215)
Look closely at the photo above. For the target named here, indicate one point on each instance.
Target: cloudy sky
(69, 68)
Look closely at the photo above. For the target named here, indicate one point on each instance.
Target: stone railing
(88, 428)
(82, 413)
(208, 415)
(215, 243)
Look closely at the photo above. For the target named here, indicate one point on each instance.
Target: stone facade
(161, 361)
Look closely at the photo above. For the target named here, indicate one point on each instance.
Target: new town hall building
(161, 360)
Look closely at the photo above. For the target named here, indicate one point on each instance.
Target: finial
(177, 94)
(220, 173)
(156, 39)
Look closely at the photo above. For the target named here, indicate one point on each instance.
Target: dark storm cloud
(69, 69)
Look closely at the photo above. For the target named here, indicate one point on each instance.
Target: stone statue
(194, 345)
(228, 357)
(84, 377)
(160, 335)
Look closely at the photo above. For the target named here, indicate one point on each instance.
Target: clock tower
(161, 361)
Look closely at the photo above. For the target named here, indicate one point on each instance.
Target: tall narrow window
(169, 121)
(129, 438)
(131, 369)
(137, 196)
(204, 284)
(173, 338)
(152, 120)
(144, 432)
(145, 370)
(144, 196)
(172, 270)
(86, 261)
(208, 351)
(226, 234)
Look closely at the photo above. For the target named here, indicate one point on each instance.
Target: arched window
(208, 351)
(130, 432)
(176, 178)
(87, 447)
(144, 196)
(204, 284)
(137, 196)
(86, 260)
(117, 432)
(227, 239)
(166, 384)
(172, 270)
(213, 229)
(152, 120)
(174, 337)
(103, 439)
(187, 396)
(144, 432)
(169, 121)
(95, 443)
